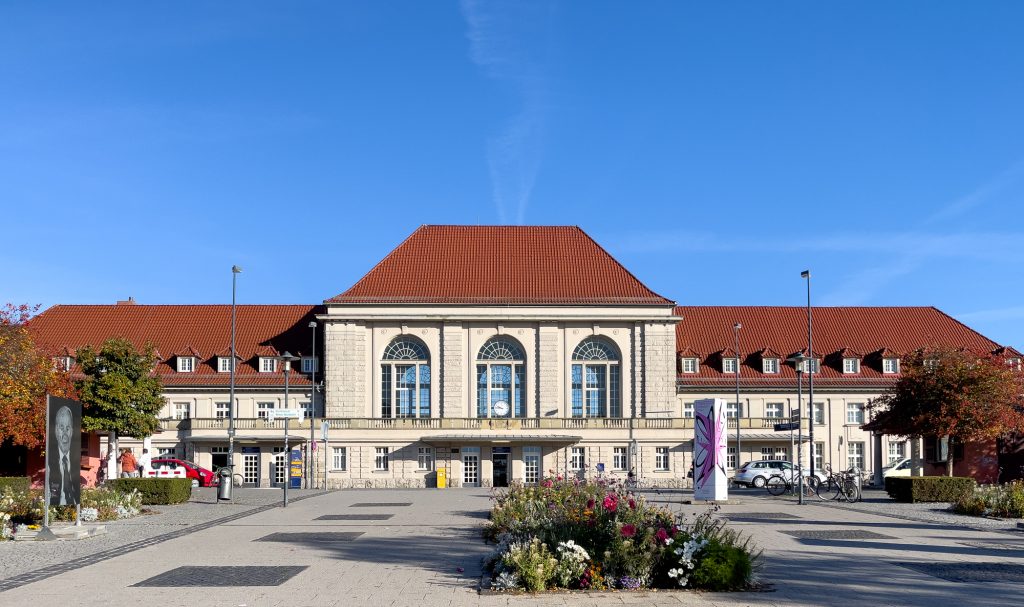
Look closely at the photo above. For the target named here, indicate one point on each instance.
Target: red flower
(610, 503)
(546, 483)
(590, 504)
(632, 504)
(628, 531)
(661, 535)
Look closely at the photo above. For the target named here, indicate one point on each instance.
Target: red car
(165, 467)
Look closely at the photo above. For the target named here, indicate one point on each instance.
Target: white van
(897, 468)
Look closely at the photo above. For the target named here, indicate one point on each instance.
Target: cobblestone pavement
(21, 558)
(429, 553)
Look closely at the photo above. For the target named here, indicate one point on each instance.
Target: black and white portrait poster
(63, 450)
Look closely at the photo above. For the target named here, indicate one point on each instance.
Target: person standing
(145, 462)
(128, 464)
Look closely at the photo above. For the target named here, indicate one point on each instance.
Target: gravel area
(17, 558)
(878, 502)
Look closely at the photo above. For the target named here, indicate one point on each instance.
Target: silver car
(756, 474)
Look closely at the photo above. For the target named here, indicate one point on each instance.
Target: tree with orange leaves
(966, 396)
(27, 375)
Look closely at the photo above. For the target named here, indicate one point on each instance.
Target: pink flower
(632, 504)
(546, 483)
(610, 503)
(590, 504)
(559, 477)
(628, 530)
(661, 535)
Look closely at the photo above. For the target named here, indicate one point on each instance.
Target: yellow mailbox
(442, 478)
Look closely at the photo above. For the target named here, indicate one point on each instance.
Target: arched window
(405, 379)
(501, 379)
(596, 379)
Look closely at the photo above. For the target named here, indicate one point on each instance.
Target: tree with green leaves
(120, 391)
(966, 396)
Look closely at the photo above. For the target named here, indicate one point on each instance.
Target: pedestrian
(144, 463)
(128, 465)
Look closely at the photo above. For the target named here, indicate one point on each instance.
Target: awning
(769, 436)
(501, 439)
(293, 439)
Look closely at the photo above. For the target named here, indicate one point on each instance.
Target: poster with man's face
(63, 450)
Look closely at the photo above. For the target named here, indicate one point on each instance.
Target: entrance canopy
(502, 439)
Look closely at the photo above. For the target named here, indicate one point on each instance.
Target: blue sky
(716, 149)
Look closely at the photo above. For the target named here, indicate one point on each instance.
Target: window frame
(662, 459)
(815, 409)
(263, 412)
(850, 455)
(310, 364)
(224, 364)
(218, 409)
(620, 458)
(268, 364)
(578, 459)
(781, 406)
(500, 351)
(690, 365)
(890, 366)
(335, 452)
(590, 355)
(730, 364)
(176, 412)
(851, 366)
(402, 354)
(424, 454)
(857, 408)
(379, 453)
(186, 364)
(688, 408)
(770, 365)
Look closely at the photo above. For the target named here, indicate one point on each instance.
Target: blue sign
(296, 469)
(600, 467)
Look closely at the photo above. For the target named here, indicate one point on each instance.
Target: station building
(506, 353)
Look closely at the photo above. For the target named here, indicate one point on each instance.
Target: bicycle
(778, 484)
(838, 485)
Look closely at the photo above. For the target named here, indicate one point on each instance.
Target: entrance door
(470, 469)
(279, 467)
(500, 463)
(251, 466)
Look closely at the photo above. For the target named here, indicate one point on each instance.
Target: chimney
(126, 302)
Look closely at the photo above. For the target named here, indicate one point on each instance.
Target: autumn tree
(119, 389)
(962, 395)
(27, 374)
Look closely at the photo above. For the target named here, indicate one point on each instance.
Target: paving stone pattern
(380, 504)
(760, 515)
(354, 517)
(968, 573)
(247, 575)
(307, 537)
(837, 534)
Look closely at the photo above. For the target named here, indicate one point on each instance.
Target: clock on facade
(501, 408)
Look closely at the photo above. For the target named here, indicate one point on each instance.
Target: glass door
(251, 466)
(471, 469)
(500, 475)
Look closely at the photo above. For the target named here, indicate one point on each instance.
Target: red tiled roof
(530, 265)
(185, 329)
(708, 330)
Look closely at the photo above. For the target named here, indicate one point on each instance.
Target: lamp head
(805, 274)
(737, 326)
(287, 358)
(236, 270)
(312, 324)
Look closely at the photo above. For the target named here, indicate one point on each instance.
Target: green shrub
(156, 490)
(722, 567)
(929, 488)
(532, 562)
(16, 483)
(1005, 501)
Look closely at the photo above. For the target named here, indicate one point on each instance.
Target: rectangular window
(531, 460)
(223, 364)
(268, 365)
(897, 451)
(855, 413)
(578, 460)
(309, 364)
(380, 461)
(774, 453)
(661, 459)
(773, 410)
(819, 456)
(619, 461)
(890, 365)
(730, 458)
(855, 455)
(731, 408)
(185, 364)
(689, 365)
(340, 459)
(819, 413)
(770, 365)
(851, 365)
(171, 452)
(425, 458)
(688, 410)
(729, 365)
(221, 410)
(263, 409)
(181, 410)
(307, 409)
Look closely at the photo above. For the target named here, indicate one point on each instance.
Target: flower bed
(596, 536)
(24, 509)
(1004, 501)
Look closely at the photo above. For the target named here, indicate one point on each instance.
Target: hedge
(156, 490)
(929, 488)
(18, 484)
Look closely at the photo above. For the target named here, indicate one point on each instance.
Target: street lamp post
(798, 362)
(810, 375)
(312, 412)
(287, 359)
(736, 334)
(235, 271)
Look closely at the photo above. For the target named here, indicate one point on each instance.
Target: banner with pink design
(710, 481)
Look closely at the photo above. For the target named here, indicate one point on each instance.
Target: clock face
(501, 408)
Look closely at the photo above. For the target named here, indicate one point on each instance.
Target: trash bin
(224, 486)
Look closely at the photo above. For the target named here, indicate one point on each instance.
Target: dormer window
(1013, 363)
(769, 365)
(851, 365)
(224, 364)
(186, 364)
(268, 364)
(689, 365)
(309, 364)
(729, 365)
(811, 363)
(930, 363)
(890, 365)
(64, 363)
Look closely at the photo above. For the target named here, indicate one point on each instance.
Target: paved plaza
(423, 547)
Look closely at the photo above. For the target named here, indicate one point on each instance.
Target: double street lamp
(798, 362)
(235, 271)
(286, 359)
(312, 411)
(736, 335)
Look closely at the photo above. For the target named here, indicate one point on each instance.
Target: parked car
(756, 474)
(897, 468)
(171, 467)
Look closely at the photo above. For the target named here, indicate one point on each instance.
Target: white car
(756, 474)
(897, 468)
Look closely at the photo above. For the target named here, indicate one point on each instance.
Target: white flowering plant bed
(574, 534)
